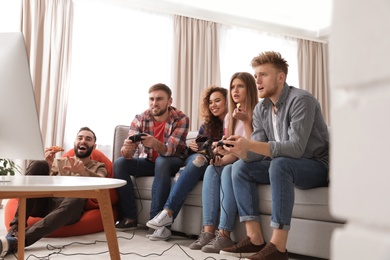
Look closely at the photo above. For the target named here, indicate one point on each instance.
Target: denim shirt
(301, 127)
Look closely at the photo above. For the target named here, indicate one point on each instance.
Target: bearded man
(159, 152)
(56, 212)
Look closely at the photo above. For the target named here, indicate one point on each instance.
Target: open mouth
(82, 148)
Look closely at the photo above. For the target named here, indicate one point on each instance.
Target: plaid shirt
(175, 134)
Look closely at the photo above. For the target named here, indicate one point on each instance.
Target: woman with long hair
(219, 206)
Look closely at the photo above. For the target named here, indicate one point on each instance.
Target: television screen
(20, 134)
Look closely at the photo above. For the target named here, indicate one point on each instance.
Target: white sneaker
(162, 219)
(149, 232)
(161, 234)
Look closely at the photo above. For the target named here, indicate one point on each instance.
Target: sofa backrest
(120, 134)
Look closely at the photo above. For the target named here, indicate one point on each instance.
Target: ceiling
(307, 19)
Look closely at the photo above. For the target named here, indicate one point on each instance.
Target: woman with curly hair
(219, 205)
(213, 109)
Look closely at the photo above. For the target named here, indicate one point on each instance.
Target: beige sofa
(311, 227)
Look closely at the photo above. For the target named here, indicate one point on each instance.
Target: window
(118, 53)
(240, 45)
(114, 62)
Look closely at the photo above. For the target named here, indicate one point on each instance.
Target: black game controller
(136, 138)
(221, 143)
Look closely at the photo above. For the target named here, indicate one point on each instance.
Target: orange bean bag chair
(91, 220)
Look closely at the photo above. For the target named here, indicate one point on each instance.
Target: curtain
(313, 72)
(195, 64)
(47, 27)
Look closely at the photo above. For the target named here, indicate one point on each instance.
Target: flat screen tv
(20, 134)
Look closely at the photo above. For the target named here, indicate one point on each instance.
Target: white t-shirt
(239, 130)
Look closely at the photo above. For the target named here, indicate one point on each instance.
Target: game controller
(221, 143)
(136, 138)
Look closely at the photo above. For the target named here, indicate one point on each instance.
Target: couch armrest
(120, 134)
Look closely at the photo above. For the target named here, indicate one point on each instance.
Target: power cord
(59, 251)
(61, 248)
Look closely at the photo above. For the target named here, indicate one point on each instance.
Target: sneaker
(8, 245)
(218, 243)
(12, 232)
(242, 249)
(162, 219)
(149, 232)
(160, 234)
(126, 224)
(203, 239)
(269, 252)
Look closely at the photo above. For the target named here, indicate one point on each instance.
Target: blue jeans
(284, 174)
(162, 169)
(219, 205)
(189, 177)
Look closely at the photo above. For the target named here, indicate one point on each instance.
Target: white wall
(10, 14)
(359, 48)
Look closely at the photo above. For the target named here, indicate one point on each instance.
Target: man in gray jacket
(289, 148)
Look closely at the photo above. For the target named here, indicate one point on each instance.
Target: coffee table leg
(21, 227)
(103, 197)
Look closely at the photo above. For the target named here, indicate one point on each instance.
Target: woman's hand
(241, 114)
(193, 146)
(217, 161)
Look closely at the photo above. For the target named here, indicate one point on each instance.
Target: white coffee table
(23, 187)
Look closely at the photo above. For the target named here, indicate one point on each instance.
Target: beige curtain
(195, 64)
(313, 72)
(47, 27)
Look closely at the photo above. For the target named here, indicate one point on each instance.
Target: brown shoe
(242, 249)
(269, 252)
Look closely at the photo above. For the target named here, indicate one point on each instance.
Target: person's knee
(238, 169)
(120, 165)
(207, 177)
(165, 166)
(39, 167)
(199, 161)
(279, 167)
(76, 204)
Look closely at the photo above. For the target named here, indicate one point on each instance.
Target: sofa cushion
(310, 204)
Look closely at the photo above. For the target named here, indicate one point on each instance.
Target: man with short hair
(56, 212)
(160, 152)
(289, 149)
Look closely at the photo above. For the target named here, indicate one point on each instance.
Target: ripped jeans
(187, 180)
